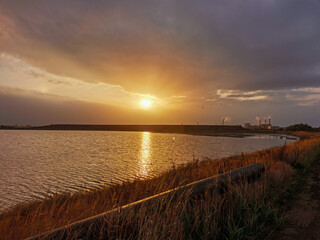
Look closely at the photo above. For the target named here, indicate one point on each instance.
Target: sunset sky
(189, 61)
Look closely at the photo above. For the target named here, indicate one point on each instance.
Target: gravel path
(303, 219)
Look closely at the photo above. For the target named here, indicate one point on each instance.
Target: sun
(146, 103)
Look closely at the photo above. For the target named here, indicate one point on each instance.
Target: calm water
(35, 164)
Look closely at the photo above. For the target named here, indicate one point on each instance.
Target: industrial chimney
(259, 120)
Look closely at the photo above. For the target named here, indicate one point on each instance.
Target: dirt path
(303, 220)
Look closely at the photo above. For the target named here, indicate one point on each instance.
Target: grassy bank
(244, 211)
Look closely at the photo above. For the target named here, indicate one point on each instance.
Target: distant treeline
(206, 130)
(150, 128)
(192, 129)
(302, 127)
(15, 127)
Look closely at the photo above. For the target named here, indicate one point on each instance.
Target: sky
(93, 62)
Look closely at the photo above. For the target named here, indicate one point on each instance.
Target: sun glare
(145, 103)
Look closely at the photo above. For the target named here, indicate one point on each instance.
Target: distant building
(261, 126)
(265, 126)
(249, 126)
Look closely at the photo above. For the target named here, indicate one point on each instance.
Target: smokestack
(265, 120)
(259, 120)
(225, 119)
(269, 120)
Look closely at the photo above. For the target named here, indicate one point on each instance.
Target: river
(36, 164)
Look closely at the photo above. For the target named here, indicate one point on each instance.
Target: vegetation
(243, 211)
(302, 127)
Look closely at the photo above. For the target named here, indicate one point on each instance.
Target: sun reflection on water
(145, 154)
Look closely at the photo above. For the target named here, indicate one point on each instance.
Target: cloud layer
(202, 59)
(161, 47)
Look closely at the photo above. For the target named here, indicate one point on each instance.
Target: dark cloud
(169, 46)
(229, 58)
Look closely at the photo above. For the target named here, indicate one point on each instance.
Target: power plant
(266, 125)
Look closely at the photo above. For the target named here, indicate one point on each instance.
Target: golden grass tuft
(280, 170)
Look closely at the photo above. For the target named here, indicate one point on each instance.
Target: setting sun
(145, 103)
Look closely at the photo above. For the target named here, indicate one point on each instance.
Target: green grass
(244, 211)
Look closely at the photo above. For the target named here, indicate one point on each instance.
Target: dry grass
(245, 211)
(280, 170)
(305, 135)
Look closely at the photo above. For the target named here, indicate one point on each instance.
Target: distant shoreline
(236, 131)
(201, 130)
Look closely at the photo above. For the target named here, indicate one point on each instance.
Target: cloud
(305, 96)
(242, 96)
(169, 48)
(202, 59)
(28, 107)
(299, 96)
(21, 75)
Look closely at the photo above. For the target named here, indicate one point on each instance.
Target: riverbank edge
(36, 209)
(234, 131)
(201, 130)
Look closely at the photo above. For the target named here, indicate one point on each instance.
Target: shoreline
(236, 131)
